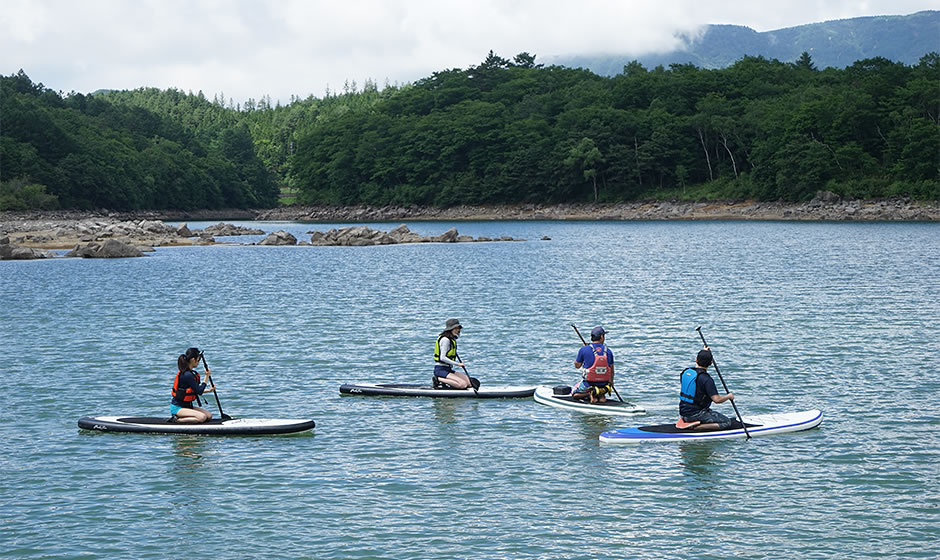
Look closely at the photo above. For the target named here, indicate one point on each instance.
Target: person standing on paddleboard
(597, 375)
(445, 358)
(186, 388)
(697, 392)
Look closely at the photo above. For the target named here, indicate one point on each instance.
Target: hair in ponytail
(183, 361)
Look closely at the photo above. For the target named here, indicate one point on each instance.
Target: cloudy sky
(251, 48)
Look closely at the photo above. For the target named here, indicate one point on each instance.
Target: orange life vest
(600, 371)
(189, 395)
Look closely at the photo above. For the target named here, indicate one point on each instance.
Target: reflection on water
(188, 451)
(697, 457)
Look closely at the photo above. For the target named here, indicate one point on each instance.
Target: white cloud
(250, 48)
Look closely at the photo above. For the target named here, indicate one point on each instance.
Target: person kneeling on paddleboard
(445, 358)
(697, 392)
(186, 389)
(596, 362)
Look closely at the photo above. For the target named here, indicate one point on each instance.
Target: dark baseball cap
(704, 358)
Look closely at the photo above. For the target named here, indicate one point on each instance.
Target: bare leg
(456, 380)
(193, 415)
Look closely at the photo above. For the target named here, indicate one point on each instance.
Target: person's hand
(461, 364)
(209, 389)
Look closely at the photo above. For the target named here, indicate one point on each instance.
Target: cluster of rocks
(360, 236)
(103, 238)
(363, 235)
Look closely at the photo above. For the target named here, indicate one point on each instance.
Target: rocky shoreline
(824, 207)
(25, 235)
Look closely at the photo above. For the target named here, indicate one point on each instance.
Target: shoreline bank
(825, 207)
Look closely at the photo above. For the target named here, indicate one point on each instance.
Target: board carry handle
(585, 344)
(723, 384)
(222, 415)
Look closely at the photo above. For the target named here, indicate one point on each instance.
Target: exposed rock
(449, 236)
(279, 238)
(110, 249)
(357, 236)
(9, 252)
(183, 231)
(223, 230)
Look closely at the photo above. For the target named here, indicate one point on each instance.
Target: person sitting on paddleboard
(186, 387)
(597, 374)
(697, 393)
(445, 358)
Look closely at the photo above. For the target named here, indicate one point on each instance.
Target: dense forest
(503, 131)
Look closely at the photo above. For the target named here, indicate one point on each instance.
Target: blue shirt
(586, 355)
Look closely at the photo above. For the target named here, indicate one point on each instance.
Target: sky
(248, 49)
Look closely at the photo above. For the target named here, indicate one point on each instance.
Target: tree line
(504, 131)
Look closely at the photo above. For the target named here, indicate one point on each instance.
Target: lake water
(837, 316)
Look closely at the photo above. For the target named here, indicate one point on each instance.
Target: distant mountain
(837, 43)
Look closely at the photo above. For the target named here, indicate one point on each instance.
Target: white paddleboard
(404, 390)
(757, 426)
(612, 407)
(232, 426)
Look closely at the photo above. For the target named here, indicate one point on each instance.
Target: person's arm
(189, 381)
(579, 361)
(712, 391)
(716, 398)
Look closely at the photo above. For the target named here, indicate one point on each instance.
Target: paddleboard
(403, 390)
(757, 426)
(233, 426)
(612, 407)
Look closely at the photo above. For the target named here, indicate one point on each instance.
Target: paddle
(223, 415)
(474, 382)
(585, 343)
(714, 363)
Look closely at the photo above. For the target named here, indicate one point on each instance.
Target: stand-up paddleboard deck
(757, 426)
(612, 407)
(402, 390)
(233, 426)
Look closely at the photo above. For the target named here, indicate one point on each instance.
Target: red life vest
(189, 395)
(600, 371)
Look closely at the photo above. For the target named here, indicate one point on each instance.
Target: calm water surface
(840, 317)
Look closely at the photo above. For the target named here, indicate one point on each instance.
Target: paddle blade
(475, 383)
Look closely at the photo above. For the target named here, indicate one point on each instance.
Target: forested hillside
(503, 131)
(82, 151)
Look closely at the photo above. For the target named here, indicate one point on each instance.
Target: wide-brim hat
(452, 324)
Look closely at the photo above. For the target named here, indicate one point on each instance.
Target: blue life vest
(689, 390)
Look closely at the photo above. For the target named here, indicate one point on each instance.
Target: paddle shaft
(585, 343)
(464, 368)
(214, 391)
(723, 384)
